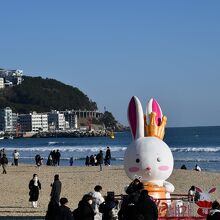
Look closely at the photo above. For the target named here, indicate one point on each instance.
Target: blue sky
(112, 50)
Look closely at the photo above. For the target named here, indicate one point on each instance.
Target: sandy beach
(76, 181)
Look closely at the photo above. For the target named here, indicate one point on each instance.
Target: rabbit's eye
(137, 160)
(158, 159)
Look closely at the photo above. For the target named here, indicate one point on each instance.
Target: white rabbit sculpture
(148, 157)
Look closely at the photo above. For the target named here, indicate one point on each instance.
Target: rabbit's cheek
(163, 168)
(133, 169)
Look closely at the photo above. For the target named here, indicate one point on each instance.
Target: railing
(178, 207)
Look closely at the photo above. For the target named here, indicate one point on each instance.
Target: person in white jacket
(97, 200)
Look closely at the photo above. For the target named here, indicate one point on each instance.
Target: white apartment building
(2, 84)
(33, 122)
(56, 120)
(6, 120)
(11, 77)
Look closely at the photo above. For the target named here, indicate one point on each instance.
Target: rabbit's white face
(148, 158)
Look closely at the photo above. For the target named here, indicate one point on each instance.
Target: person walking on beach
(64, 212)
(108, 157)
(97, 200)
(16, 157)
(56, 189)
(34, 187)
(99, 158)
(4, 162)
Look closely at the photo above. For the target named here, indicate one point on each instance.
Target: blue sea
(190, 146)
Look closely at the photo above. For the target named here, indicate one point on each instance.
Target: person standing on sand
(99, 158)
(34, 187)
(56, 189)
(108, 157)
(16, 157)
(57, 156)
(71, 161)
(4, 162)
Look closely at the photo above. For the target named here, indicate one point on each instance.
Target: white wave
(67, 149)
(198, 160)
(195, 149)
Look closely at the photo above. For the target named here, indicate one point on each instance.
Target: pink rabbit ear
(136, 118)
(212, 190)
(153, 106)
(198, 189)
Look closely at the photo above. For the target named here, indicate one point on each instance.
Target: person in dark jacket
(4, 162)
(214, 212)
(128, 209)
(64, 212)
(84, 210)
(108, 157)
(107, 208)
(56, 189)
(52, 211)
(133, 186)
(146, 207)
(34, 187)
(99, 158)
(57, 156)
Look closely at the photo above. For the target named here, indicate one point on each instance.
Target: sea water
(190, 146)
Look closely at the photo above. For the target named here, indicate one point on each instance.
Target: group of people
(54, 158)
(35, 187)
(99, 159)
(196, 168)
(136, 205)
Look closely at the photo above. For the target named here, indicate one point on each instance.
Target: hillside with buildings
(33, 105)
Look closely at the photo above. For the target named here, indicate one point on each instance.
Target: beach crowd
(135, 205)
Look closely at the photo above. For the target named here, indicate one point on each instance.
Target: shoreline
(76, 181)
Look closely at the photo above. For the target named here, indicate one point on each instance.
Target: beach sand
(76, 181)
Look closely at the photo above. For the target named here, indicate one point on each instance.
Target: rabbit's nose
(148, 168)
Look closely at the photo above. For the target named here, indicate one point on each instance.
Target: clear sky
(112, 50)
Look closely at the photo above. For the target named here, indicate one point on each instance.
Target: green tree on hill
(42, 95)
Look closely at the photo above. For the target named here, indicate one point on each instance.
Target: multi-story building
(8, 120)
(11, 77)
(71, 118)
(56, 120)
(2, 84)
(33, 122)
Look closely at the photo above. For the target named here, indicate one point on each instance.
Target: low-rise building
(56, 120)
(33, 122)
